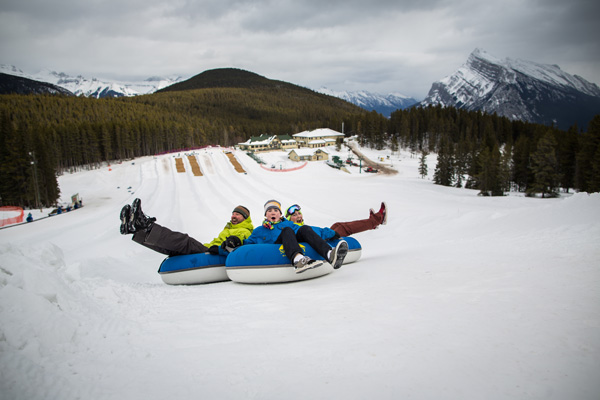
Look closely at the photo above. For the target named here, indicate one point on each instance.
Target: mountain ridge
(96, 88)
(226, 78)
(21, 85)
(384, 104)
(514, 88)
(517, 89)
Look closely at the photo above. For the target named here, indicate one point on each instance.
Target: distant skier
(29, 217)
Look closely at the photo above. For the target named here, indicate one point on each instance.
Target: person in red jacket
(375, 219)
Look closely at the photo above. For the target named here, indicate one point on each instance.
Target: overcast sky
(376, 45)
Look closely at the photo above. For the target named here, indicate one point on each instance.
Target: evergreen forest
(43, 136)
(496, 155)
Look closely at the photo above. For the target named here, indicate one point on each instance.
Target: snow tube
(267, 263)
(193, 269)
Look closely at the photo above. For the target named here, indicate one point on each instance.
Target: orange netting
(284, 170)
(236, 164)
(10, 215)
(195, 166)
(179, 165)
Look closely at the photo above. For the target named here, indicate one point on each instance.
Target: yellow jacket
(243, 230)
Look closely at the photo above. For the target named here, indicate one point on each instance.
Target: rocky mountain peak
(517, 89)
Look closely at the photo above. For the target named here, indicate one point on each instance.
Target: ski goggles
(292, 210)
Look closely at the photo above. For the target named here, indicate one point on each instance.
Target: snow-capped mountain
(518, 89)
(81, 86)
(382, 103)
(20, 85)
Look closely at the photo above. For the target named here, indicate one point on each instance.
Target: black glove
(214, 250)
(231, 243)
(336, 236)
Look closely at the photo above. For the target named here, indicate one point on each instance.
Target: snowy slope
(457, 297)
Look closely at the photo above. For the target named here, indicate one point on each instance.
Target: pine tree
(594, 182)
(16, 169)
(489, 178)
(423, 171)
(444, 170)
(473, 169)
(394, 144)
(545, 167)
(566, 153)
(461, 162)
(587, 171)
(505, 168)
(521, 171)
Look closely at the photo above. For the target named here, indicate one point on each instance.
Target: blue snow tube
(267, 263)
(193, 269)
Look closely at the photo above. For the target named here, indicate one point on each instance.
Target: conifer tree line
(42, 136)
(69, 133)
(490, 153)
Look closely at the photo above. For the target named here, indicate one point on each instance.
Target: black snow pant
(168, 242)
(290, 240)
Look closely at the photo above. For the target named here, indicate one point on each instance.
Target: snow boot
(125, 217)
(381, 215)
(338, 253)
(306, 263)
(383, 212)
(139, 221)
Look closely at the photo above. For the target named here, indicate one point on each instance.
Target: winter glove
(336, 236)
(214, 250)
(231, 243)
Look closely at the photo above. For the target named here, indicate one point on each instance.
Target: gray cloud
(383, 45)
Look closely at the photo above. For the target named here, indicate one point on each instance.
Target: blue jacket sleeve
(288, 224)
(258, 236)
(328, 233)
(252, 239)
(324, 233)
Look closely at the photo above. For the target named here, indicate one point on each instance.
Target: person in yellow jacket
(163, 240)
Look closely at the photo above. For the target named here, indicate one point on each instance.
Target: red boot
(381, 215)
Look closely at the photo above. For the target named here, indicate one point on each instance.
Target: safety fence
(10, 215)
(284, 170)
